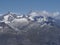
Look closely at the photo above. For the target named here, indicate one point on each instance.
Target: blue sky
(24, 6)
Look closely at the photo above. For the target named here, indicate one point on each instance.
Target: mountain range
(33, 28)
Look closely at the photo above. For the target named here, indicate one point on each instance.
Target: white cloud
(34, 14)
(45, 13)
(56, 13)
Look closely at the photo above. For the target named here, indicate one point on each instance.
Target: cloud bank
(45, 13)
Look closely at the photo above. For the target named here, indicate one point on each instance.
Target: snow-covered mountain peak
(8, 17)
(36, 17)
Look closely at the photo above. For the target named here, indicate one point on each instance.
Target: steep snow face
(8, 18)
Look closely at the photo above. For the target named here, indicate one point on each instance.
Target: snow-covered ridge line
(42, 17)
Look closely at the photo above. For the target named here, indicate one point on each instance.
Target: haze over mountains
(34, 28)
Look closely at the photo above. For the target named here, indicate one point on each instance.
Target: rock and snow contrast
(34, 28)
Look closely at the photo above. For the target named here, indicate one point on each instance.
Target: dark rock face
(10, 39)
